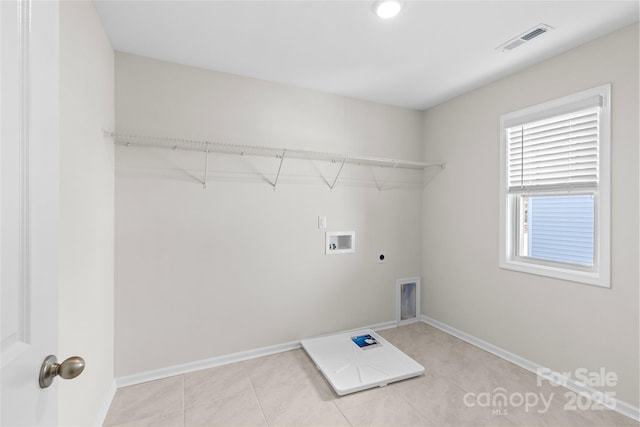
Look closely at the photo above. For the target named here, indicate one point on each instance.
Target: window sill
(587, 277)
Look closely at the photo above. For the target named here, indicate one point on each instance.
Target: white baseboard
(106, 403)
(623, 408)
(198, 365)
(213, 362)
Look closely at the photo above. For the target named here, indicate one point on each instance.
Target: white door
(28, 207)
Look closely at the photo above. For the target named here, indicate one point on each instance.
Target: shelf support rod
(275, 183)
(338, 174)
(395, 164)
(206, 167)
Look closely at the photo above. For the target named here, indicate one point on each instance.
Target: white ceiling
(431, 52)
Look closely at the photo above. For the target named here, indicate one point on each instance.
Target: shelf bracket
(338, 174)
(275, 183)
(381, 187)
(206, 167)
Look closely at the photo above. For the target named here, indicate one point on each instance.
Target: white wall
(239, 266)
(557, 324)
(87, 212)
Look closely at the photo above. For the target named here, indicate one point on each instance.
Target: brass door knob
(70, 368)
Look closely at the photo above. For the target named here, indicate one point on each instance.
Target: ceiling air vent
(534, 33)
(523, 38)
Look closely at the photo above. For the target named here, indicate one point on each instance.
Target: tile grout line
(255, 394)
(342, 413)
(403, 397)
(184, 412)
(335, 399)
(414, 407)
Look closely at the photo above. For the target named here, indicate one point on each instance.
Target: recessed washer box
(340, 242)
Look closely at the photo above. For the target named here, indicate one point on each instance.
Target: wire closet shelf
(214, 147)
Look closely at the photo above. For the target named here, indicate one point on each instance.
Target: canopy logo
(500, 401)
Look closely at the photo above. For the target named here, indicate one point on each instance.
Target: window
(554, 188)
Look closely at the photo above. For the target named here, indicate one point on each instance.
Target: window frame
(599, 274)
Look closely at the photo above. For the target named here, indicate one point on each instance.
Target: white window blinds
(559, 152)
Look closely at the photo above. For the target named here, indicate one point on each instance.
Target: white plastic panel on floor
(358, 360)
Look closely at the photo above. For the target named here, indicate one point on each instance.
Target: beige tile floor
(285, 389)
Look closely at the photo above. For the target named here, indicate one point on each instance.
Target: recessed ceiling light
(386, 9)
